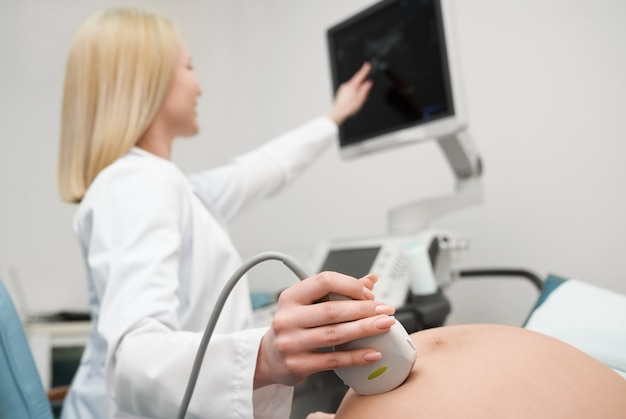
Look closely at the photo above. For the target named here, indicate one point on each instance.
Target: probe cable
(217, 310)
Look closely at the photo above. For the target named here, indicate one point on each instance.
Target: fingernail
(372, 356)
(373, 277)
(385, 322)
(367, 293)
(385, 309)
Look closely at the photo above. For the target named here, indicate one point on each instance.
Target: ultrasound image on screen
(404, 41)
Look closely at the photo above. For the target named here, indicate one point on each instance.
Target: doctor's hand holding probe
(156, 248)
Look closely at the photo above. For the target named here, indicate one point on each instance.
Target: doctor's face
(179, 106)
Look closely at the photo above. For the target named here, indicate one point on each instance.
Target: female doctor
(157, 250)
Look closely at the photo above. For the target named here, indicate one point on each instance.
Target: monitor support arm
(467, 167)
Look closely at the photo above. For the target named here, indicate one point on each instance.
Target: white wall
(546, 99)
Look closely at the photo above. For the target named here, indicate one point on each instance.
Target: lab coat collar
(138, 151)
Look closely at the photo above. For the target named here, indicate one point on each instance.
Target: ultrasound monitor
(416, 91)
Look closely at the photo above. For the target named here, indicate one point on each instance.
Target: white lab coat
(158, 253)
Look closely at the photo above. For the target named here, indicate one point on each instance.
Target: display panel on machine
(405, 43)
(353, 262)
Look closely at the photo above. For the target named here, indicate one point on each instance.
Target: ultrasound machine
(417, 96)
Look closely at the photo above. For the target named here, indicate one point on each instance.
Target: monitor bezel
(417, 131)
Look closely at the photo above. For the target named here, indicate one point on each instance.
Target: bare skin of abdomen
(492, 371)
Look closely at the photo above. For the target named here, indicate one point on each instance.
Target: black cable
(217, 310)
(470, 273)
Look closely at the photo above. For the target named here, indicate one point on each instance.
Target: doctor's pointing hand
(156, 246)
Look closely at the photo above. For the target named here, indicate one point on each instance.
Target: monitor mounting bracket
(466, 164)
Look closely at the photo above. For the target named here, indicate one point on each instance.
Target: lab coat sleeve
(223, 390)
(134, 252)
(266, 170)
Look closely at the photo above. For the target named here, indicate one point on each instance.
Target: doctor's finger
(316, 287)
(333, 312)
(360, 76)
(323, 361)
(369, 281)
(304, 340)
(364, 91)
(320, 415)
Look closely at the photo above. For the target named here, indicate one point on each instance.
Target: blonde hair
(119, 70)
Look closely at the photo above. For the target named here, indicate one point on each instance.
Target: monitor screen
(404, 40)
(354, 262)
